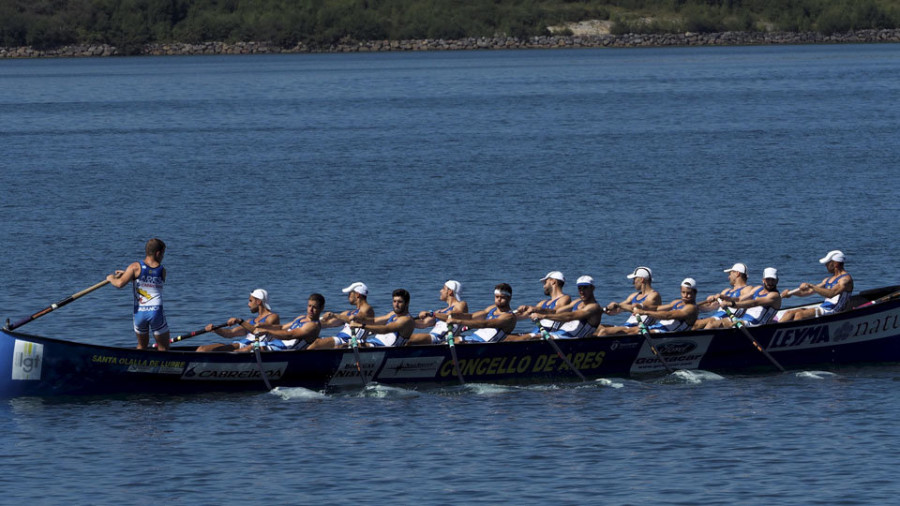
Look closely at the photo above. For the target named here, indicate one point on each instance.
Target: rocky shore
(482, 43)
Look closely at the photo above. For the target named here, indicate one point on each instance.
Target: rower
(392, 329)
(645, 296)
(576, 319)
(299, 333)
(678, 315)
(759, 307)
(357, 296)
(737, 279)
(493, 323)
(258, 302)
(836, 289)
(553, 285)
(450, 293)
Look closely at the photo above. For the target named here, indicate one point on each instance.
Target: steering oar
(59, 304)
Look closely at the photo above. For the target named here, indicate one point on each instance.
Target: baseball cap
(738, 267)
(455, 286)
(690, 283)
(358, 287)
(833, 255)
(585, 281)
(641, 272)
(262, 296)
(554, 275)
(770, 272)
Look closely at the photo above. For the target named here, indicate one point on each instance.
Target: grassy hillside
(128, 24)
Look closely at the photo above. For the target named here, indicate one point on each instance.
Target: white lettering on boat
(842, 332)
(206, 371)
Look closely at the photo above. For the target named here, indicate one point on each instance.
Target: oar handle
(196, 333)
(59, 304)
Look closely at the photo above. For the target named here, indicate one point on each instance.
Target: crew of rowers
(559, 316)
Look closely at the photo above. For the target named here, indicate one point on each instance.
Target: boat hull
(40, 366)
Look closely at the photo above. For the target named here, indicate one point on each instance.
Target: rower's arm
(565, 315)
(845, 284)
(119, 279)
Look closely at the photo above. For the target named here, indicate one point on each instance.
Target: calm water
(304, 173)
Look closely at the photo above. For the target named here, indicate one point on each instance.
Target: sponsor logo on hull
(679, 353)
(28, 358)
(347, 374)
(842, 332)
(419, 367)
(211, 371)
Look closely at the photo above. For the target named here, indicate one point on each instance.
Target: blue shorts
(145, 321)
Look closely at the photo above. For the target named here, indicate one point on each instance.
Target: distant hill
(129, 24)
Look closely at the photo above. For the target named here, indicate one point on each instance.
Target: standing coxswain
(148, 277)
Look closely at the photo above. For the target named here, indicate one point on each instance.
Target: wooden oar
(545, 335)
(739, 324)
(59, 304)
(890, 296)
(355, 345)
(646, 333)
(452, 346)
(262, 372)
(196, 333)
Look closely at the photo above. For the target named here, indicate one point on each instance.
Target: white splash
(297, 393)
(815, 374)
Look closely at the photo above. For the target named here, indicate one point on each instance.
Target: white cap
(358, 287)
(641, 272)
(770, 273)
(554, 275)
(833, 256)
(455, 286)
(585, 281)
(738, 267)
(262, 296)
(690, 283)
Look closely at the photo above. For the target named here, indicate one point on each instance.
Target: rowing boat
(40, 366)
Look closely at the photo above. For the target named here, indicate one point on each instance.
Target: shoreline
(628, 40)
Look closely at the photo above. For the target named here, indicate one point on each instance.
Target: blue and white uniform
(575, 328)
(671, 325)
(290, 344)
(148, 304)
(734, 293)
(250, 339)
(547, 324)
(488, 335)
(632, 320)
(758, 315)
(834, 304)
(440, 329)
(343, 335)
(388, 339)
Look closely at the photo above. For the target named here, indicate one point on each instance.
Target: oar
(59, 304)
(355, 345)
(452, 346)
(739, 324)
(545, 335)
(886, 298)
(646, 333)
(196, 333)
(262, 371)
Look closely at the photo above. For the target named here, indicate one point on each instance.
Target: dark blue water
(304, 173)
